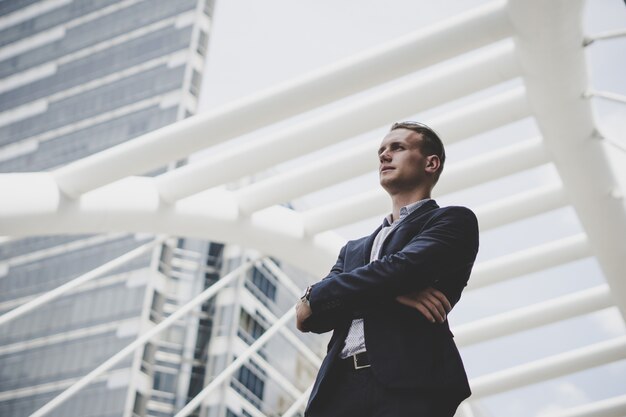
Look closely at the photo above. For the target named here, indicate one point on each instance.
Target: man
(386, 298)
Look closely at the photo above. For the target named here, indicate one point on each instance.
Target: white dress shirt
(355, 341)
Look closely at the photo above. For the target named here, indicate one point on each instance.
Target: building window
(231, 413)
(156, 309)
(164, 382)
(203, 41)
(251, 381)
(196, 82)
(147, 362)
(250, 327)
(262, 282)
(214, 254)
(139, 408)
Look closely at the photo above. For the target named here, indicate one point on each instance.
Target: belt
(355, 362)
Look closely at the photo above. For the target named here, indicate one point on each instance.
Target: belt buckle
(356, 364)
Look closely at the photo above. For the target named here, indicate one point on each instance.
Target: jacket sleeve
(446, 246)
(322, 323)
(338, 267)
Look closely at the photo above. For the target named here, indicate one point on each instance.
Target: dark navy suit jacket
(432, 247)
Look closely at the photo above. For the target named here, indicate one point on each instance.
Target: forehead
(403, 136)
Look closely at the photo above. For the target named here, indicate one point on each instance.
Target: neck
(404, 199)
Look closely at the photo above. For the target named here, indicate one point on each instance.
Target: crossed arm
(430, 302)
(446, 248)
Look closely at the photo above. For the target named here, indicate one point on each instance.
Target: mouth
(386, 169)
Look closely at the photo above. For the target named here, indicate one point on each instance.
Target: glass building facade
(77, 77)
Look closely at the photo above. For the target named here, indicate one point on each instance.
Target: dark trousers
(358, 393)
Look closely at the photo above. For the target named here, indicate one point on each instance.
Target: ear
(432, 164)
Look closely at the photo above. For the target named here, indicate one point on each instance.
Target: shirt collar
(405, 211)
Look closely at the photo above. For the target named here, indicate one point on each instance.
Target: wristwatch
(307, 295)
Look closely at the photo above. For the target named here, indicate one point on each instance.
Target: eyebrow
(394, 143)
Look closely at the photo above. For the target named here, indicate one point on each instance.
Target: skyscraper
(77, 77)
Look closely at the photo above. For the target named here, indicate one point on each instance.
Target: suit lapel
(411, 218)
(367, 246)
(429, 205)
(367, 243)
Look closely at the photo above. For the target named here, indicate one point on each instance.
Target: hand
(303, 312)
(432, 303)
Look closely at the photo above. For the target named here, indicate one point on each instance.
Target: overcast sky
(255, 45)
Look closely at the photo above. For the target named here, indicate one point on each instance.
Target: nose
(384, 156)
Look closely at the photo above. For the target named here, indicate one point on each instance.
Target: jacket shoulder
(455, 211)
(461, 217)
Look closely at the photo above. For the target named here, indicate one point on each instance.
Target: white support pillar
(496, 164)
(562, 308)
(531, 260)
(520, 206)
(556, 89)
(551, 367)
(481, 116)
(493, 165)
(483, 69)
(447, 39)
(611, 407)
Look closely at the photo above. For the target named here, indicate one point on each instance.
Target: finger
(442, 297)
(427, 308)
(418, 305)
(424, 311)
(412, 297)
(407, 301)
(438, 305)
(432, 308)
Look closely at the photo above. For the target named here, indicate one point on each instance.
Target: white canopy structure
(540, 41)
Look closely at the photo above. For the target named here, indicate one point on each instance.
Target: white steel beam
(346, 211)
(213, 215)
(492, 66)
(610, 407)
(425, 47)
(276, 376)
(143, 339)
(132, 204)
(551, 367)
(555, 90)
(290, 336)
(491, 166)
(299, 403)
(454, 126)
(530, 260)
(609, 34)
(521, 206)
(246, 405)
(518, 320)
(308, 178)
(232, 367)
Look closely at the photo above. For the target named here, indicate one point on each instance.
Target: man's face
(402, 167)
